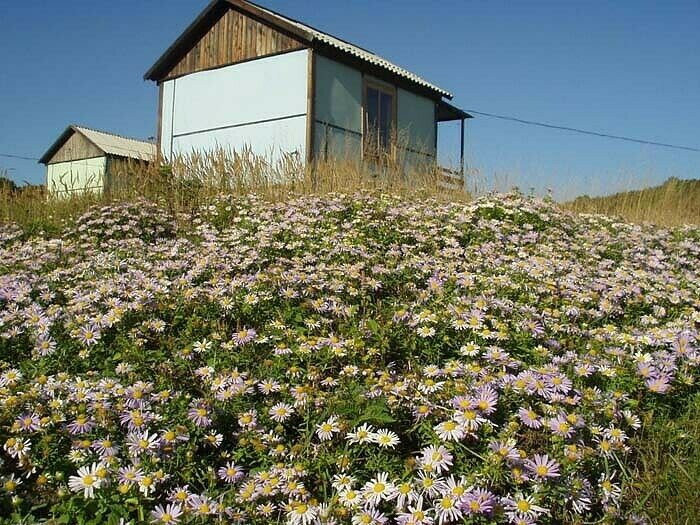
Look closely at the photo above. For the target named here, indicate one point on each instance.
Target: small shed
(244, 76)
(84, 159)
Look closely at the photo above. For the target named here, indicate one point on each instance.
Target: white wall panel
(268, 139)
(65, 178)
(263, 89)
(332, 143)
(416, 121)
(338, 94)
(166, 121)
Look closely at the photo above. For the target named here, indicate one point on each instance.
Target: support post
(311, 117)
(461, 156)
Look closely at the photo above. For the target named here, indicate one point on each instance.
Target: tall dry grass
(188, 182)
(674, 203)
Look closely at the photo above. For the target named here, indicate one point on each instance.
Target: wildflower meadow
(359, 359)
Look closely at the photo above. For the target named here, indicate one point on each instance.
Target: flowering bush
(357, 359)
(140, 220)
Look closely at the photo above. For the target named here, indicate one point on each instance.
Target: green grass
(666, 482)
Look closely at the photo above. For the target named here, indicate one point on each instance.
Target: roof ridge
(309, 35)
(88, 128)
(294, 20)
(326, 36)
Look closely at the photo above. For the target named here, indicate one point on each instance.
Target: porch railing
(451, 179)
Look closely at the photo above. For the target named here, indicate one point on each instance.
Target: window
(379, 120)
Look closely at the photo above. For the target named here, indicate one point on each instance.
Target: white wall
(338, 115)
(77, 176)
(260, 104)
(416, 121)
(338, 110)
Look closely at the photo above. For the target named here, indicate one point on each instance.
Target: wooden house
(242, 76)
(87, 160)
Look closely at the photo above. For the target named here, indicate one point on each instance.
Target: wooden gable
(76, 147)
(235, 37)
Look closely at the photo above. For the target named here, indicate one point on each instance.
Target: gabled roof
(305, 33)
(109, 143)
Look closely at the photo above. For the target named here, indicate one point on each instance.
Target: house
(243, 76)
(84, 159)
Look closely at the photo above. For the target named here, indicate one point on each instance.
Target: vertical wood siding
(234, 38)
(76, 147)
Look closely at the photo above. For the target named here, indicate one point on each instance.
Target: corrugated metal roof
(110, 143)
(305, 33)
(118, 145)
(358, 52)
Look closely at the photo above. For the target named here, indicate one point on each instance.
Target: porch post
(461, 155)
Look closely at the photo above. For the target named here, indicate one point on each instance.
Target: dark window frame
(388, 149)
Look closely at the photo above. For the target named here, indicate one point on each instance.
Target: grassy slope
(666, 477)
(674, 202)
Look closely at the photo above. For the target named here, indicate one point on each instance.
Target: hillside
(674, 202)
(364, 359)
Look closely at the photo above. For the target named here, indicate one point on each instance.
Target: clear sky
(624, 67)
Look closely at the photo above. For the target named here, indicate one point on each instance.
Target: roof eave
(57, 144)
(217, 8)
(204, 21)
(448, 112)
(335, 53)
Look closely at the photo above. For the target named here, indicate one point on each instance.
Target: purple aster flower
(169, 514)
(28, 422)
(659, 383)
(486, 400)
(199, 415)
(140, 442)
(244, 336)
(129, 475)
(477, 501)
(542, 466)
(561, 427)
(81, 425)
(505, 449)
(45, 345)
(89, 334)
(230, 472)
(529, 418)
(105, 447)
(135, 419)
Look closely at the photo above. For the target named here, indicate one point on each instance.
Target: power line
(9, 156)
(583, 131)
(520, 121)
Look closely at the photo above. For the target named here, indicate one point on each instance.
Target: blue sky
(626, 67)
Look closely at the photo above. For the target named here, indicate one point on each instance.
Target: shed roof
(110, 143)
(307, 34)
(446, 112)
